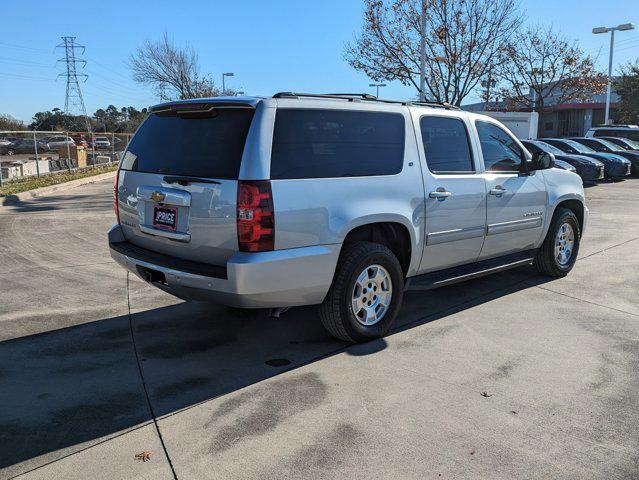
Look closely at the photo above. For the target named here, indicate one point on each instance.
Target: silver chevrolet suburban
(342, 201)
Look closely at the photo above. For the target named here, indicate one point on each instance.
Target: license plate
(165, 218)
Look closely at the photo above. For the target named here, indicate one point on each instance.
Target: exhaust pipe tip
(277, 312)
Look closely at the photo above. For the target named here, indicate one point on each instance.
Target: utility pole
(73, 101)
(487, 84)
(422, 55)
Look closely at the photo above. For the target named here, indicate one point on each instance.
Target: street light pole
(609, 86)
(227, 74)
(612, 30)
(377, 85)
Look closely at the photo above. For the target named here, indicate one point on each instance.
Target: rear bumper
(281, 278)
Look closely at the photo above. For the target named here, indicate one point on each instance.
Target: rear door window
(446, 145)
(206, 146)
(336, 143)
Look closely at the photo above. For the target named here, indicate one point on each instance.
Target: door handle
(440, 194)
(498, 191)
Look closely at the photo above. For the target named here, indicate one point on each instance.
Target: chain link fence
(35, 153)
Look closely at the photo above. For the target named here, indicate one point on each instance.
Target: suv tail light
(115, 195)
(255, 222)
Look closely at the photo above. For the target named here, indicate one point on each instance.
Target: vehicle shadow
(43, 204)
(63, 390)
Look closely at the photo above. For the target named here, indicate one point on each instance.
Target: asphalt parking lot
(509, 376)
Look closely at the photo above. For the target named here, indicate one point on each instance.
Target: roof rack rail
(445, 105)
(363, 96)
(616, 126)
(344, 96)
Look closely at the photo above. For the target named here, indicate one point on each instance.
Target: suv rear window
(612, 132)
(209, 147)
(336, 143)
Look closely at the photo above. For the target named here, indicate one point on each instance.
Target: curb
(40, 192)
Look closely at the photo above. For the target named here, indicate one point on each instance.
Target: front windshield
(578, 146)
(631, 143)
(547, 147)
(610, 145)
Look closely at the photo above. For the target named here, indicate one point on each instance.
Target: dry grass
(30, 183)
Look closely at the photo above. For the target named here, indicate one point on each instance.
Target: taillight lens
(115, 196)
(255, 222)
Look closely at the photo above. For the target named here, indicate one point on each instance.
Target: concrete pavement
(509, 376)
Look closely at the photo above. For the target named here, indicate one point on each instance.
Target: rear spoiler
(202, 107)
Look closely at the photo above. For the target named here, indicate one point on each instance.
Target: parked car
(624, 131)
(587, 168)
(55, 143)
(101, 142)
(4, 141)
(615, 166)
(565, 166)
(624, 143)
(80, 141)
(22, 145)
(602, 145)
(338, 200)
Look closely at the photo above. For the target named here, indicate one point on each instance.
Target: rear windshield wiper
(187, 180)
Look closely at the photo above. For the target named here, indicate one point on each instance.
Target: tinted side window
(336, 143)
(500, 151)
(603, 133)
(446, 145)
(631, 134)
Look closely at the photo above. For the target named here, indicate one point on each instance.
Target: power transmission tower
(73, 102)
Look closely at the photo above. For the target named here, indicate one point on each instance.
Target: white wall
(522, 124)
(24, 169)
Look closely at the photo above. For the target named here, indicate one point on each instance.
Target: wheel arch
(393, 234)
(576, 206)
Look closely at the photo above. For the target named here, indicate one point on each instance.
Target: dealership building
(572, 118)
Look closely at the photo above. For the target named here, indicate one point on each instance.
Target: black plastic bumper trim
(166, 261)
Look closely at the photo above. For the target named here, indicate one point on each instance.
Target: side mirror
(541, 161)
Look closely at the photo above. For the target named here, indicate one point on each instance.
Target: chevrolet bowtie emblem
(157, 196)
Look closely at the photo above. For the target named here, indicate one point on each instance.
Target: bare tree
(627, 87)
(543, 62)
(462, 42)
(173, 72)
(7, 122)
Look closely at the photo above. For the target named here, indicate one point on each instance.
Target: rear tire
(558, 253)
(366, 294)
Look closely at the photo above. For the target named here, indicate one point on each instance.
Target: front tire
(366, 294)
(558, 253)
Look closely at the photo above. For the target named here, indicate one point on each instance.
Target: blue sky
(276, 45)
